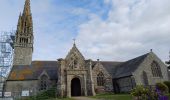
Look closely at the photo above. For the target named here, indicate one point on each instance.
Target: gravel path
(83, 98)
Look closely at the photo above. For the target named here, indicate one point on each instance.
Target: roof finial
(151, 50)
(74, 41)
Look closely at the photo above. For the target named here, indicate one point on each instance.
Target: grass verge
(113, 96)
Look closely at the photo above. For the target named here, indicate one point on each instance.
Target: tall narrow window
(156, 70)
(43, 82)
(100, 79)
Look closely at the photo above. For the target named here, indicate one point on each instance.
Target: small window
(100, 79)
(156, 70)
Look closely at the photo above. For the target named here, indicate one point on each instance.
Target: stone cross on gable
(74, 41)
(169, 55)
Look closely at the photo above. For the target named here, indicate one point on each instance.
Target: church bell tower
(23, 46)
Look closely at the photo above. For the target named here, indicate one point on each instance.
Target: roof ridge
(130, 65)
(44, 61)
(138, 57)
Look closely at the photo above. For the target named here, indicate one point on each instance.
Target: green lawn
(50, 99)
(62, 99)
(113, 96)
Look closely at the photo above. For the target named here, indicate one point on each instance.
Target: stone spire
(27, 10)
(25, 23)
(28, 17)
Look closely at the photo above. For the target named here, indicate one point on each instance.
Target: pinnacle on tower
(19, 23)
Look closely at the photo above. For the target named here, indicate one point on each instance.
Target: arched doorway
(75, 87)
(116, 86)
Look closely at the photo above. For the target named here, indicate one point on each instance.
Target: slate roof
(110, 66)
(128, 67)
(33, 71)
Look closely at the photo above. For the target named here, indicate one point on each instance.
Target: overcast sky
(106, 29)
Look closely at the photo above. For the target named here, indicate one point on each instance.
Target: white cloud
(132, 28)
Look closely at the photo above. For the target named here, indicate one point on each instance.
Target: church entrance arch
(75, 87)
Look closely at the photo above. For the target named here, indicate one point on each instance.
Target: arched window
(43, 82)
(100, 79)
(156, 70)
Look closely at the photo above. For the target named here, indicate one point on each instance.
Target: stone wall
(33, 86)
(125, 84)
(16, 87)
(22, 56)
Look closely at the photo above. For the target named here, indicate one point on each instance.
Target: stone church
(74, 75)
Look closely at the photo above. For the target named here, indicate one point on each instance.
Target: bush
(144, 93)
(167, 83)
(162, 87)
(139, 91)
(44, 95)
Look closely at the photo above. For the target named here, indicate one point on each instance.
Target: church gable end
(102, 79)
(155, 70)
(74, 59)
(98, 67)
